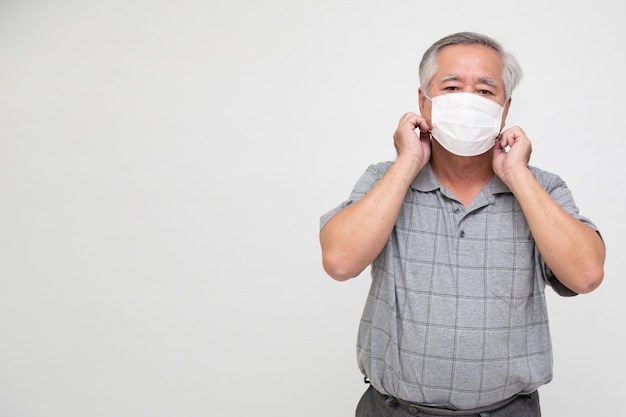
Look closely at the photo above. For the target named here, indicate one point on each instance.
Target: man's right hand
(408, 143)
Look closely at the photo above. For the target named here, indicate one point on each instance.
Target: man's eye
(485, 92)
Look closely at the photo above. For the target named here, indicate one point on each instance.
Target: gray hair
(511, 72)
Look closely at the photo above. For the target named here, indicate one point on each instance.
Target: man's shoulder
(381, 167)
(545, 178)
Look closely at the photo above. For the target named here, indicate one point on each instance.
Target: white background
(163, 167)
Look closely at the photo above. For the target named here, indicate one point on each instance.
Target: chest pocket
(512, 270)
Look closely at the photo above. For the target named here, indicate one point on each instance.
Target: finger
(423, 125)
(425, 135)
(506, 140)
(510, 136)
(407, 117)
(416, 121)
(420, 123)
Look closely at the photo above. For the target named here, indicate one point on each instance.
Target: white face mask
(466, 124)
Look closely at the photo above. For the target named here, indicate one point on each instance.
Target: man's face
(466, 68)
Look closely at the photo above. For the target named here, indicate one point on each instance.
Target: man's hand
(408, 143)
(506, 162)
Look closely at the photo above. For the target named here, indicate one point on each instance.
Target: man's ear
(421, 97)
(505, 113)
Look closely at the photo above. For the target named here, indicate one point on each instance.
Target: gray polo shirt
(456, 315)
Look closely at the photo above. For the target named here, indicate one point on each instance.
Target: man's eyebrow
(451, 78)
(488, 81)
(482, 80)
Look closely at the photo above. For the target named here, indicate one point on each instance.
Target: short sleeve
(367, 181)
(558, 190)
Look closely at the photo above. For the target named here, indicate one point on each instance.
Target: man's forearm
(353, 238)
(572, 249)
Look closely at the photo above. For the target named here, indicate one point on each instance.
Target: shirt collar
(426, 181)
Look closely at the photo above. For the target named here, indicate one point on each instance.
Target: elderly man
(462, 236)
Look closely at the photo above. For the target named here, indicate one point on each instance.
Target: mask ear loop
(506, 148)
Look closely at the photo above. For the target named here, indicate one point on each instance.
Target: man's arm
(353, 238)
(574, 251)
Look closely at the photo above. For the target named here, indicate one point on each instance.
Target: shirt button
(456, 210)
(462, 234)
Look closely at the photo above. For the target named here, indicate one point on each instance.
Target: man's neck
(464, 176)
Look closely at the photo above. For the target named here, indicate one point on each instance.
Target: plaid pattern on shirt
(456, 315)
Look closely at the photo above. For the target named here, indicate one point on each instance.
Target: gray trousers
(375, 404)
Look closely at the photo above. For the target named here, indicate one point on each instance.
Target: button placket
(457, 210)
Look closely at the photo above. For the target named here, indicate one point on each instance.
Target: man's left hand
(511, 152)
